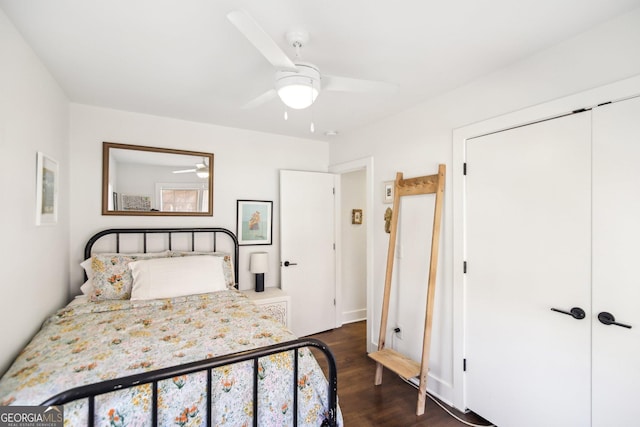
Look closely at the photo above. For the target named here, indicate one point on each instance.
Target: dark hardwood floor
(391, 404)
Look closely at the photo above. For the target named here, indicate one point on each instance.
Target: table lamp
(258, 265)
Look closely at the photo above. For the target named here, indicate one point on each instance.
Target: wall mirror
(139, 180)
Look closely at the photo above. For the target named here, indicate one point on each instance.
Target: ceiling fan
(298, 83)
(201, 170)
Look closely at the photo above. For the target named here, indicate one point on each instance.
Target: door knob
(608, 319)
(575, 312)
(287, 263)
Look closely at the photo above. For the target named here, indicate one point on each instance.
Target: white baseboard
(354, 316)
(440, 389)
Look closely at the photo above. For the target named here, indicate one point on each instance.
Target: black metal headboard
(169, 232)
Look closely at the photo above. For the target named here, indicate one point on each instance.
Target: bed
(155, 343)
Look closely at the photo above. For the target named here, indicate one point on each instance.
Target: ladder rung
(396, 362)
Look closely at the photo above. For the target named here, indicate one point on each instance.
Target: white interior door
(616, 286)
(307, 253)
(527, 243)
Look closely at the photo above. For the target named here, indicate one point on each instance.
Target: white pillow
(173, 277)
(86, 265)
(87, 287)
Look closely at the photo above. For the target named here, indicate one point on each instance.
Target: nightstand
(275, 301)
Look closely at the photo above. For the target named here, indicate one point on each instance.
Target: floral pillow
(112, 279)
(227, 264)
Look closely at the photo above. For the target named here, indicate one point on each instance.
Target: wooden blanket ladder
(386, 357)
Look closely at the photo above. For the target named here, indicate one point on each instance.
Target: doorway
(354, 244)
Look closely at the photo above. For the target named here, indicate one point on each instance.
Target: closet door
(616, 282)
(528, 244)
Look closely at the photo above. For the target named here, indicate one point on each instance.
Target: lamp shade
(298, 90)
(202, 172)
(259, 262)
(298, 95)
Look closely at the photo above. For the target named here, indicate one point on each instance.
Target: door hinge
(334, 191)
(464, 365)
(464, 267)
(334, 301)
(464, 168)
(334, 246)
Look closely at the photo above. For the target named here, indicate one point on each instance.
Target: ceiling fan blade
(185, 171)
(261, 40)
(347, 84)
(261, 99)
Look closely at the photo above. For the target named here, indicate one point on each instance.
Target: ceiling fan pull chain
(312, 128)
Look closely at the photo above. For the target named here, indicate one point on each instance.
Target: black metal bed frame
(90, 391)
(169, 232)
(153, 377)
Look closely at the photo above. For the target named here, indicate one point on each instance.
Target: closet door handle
(287, 263)
(575, 312)
(607, 319)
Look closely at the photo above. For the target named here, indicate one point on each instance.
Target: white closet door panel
(527, 219)
(616, 236)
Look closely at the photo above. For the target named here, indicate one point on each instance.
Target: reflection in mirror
(139, 180)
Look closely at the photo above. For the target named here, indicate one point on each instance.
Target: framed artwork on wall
(356, 216)
(388, 191)
(254, 222)
(47, 184)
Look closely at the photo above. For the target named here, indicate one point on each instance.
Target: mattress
(88, 342)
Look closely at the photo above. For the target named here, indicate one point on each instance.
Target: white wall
(416, 140)
(246, 167)
(34, 116)
(354, 241)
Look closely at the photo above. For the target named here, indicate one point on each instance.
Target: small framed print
(133, 202)
(253, 222)
(47, 184)
(388, 191)
(356, 216)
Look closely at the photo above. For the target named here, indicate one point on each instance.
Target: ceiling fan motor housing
(299, 90)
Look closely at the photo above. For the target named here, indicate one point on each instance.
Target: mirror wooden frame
(107, 146)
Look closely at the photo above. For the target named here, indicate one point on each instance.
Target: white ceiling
(184, 59)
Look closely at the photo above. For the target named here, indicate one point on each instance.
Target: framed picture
(47, 184)
(135, 203)
(356, 216)
(388, 191)
(254, 222)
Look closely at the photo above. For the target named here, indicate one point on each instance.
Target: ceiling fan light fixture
(202, 172)
(298, 90)
(298, 96)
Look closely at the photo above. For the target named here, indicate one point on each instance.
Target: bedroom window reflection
(182, 198)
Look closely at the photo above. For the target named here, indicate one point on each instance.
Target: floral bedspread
(92, 342)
